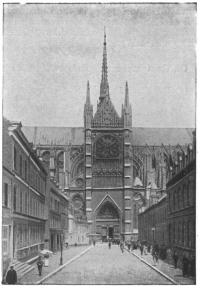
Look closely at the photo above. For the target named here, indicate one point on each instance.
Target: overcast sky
(51, 50)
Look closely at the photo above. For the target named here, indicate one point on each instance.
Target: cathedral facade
(108, 168)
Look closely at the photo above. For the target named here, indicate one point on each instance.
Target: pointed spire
(126, 95)
(88, 94)
(104, 86)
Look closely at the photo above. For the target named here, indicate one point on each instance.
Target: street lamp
(61, 248)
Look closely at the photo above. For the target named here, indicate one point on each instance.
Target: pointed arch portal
(108, 221)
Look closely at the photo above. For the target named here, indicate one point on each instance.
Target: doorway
(111, 230)
(52, 243)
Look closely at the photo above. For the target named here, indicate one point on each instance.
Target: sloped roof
(58, 135)
(141, 136)
(157, 136)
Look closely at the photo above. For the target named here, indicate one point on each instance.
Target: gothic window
(107, 146)
(77, 202)
(46, 157)
(108, 211)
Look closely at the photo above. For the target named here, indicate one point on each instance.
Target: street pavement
(167, 269)
(54, 262)
(101, 265)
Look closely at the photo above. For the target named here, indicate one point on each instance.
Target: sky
(51, 50)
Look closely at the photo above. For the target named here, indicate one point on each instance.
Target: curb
(156, 269)
(62, 266)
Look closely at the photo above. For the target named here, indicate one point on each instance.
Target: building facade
(24, 191)
(181, 200)
(108, 168)
(152, 222)
(57, 232)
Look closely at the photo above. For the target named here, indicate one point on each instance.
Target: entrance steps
(22, 268)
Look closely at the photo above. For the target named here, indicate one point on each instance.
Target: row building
(169, 217)
(35, 209)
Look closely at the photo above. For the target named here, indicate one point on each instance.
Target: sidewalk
(54, 262)
(169, 270)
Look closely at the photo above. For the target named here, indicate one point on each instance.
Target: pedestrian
(109, 244)
(11, 277)
(155, 251)
(185, 264)
(145, 249)
(192, 266)
(39, 265)
(94, 242)
(122, 246)
(129, 246)
(141, 249)
(175, 258)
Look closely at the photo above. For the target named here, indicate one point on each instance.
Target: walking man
(175, 258)
(11, 277)
(39, 265)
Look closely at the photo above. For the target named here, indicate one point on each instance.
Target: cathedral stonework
(108, 168)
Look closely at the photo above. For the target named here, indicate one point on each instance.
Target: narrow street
(102, 265)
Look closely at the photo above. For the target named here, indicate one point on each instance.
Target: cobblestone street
(101, 265)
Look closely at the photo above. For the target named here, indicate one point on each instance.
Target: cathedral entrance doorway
(111, 229)
(108, 222)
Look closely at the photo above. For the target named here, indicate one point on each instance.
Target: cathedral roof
(141, 136)
(106, 115)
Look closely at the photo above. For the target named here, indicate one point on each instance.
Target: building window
(179, 234)
(169, 233)
(21, 202)
(169, 202)
(26, 202)
(183, 195)
(15, 198)
(30, 205)
(174, 233)
(15, 159)
(25, 166)
(188, 195)
(20, 167)
(188, 234)
(5, 194)
(5, 236)
(174, 201)
(178, 197)
(183, 233)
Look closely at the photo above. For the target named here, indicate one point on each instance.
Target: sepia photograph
(99, 143)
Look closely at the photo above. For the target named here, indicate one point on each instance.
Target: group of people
(188, 263)
(11, 276)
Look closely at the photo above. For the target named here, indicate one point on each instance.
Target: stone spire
(104, 86)
(126, 95)
(88, 102)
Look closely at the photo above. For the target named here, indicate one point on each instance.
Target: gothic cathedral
(108, 163)
(108, 168)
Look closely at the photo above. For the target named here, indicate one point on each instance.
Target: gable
(106, 115)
